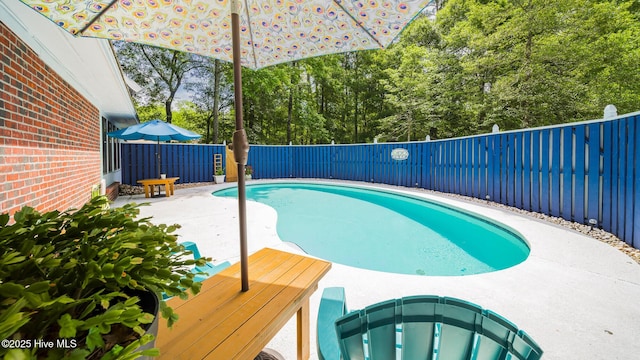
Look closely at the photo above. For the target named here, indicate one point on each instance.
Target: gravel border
(595, 233)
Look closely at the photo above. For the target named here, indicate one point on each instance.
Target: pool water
(385, 231)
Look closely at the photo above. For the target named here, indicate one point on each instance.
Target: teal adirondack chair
(209, 268)
(418, 327)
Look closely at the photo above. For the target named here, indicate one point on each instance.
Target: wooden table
(222, 322)
(149, 184)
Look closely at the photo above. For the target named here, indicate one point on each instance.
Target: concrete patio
(577, 297)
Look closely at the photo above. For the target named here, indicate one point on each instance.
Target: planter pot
(247, 177)
(218, 178)
(150, 304)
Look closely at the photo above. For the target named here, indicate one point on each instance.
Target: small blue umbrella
(157, 130)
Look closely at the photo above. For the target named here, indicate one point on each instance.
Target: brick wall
(49, 134)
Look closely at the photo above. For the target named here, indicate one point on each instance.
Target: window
(110, 148)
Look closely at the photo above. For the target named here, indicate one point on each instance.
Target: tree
(212, 94)
(159, 71)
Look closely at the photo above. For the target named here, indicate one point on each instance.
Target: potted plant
(73, 283)
(248, 170)
(219, 176)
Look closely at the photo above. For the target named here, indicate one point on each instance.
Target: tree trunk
(167, 109)
(290, 106)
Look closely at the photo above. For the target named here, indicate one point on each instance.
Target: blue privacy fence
(192, 163)
(583, 172)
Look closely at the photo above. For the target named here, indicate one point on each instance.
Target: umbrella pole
(158, 164)
(240, 144)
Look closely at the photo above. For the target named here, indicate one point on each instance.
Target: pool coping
(576, 296)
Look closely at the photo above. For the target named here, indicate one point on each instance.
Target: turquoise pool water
(385, 231)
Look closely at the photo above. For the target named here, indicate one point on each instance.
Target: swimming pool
(387, 231)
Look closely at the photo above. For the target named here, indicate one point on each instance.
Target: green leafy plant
(70, 275)
(220, 171)
(248, 170)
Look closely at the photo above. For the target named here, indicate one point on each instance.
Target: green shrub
(65, 275)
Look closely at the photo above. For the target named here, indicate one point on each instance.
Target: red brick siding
(49, 134)
(112, 191)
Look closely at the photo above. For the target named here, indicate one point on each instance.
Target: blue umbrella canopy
(156, 130)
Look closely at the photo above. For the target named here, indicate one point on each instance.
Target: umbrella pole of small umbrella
(158, 163)
(240, 144)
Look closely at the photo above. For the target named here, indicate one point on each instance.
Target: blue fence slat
(535, 171)
(504, 179)
(476, 167)
(496, 174)
(526, 171)
(629, 191)
(483, 167)
(470, 168)
(615, 175)
(593, 173)
(467, 166)
(518, 185)
(511, 170)
(555, 172)
(470, 172)
(622, 175)
(455, 172)
(635, 220)
(579, 171)
(544, 172)
(607, 171)
(567, 172)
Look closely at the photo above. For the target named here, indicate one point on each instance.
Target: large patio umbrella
(251, 33)
(156, 130)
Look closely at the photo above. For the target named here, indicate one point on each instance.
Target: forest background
(514, 63)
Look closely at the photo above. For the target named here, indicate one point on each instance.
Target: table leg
(146, 190)
(303, 330)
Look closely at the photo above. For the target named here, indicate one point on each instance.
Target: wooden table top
(222, 322)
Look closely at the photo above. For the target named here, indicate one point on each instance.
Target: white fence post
(610, 112)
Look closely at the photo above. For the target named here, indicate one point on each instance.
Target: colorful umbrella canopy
(271, 32)
(251, 33)
(156, 130)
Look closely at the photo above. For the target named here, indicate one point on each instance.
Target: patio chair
(418, 327)
(209, 268)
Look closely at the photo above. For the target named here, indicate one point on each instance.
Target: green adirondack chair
(209, 268)
(418, 327)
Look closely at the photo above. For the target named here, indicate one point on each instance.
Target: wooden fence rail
(583, 172)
